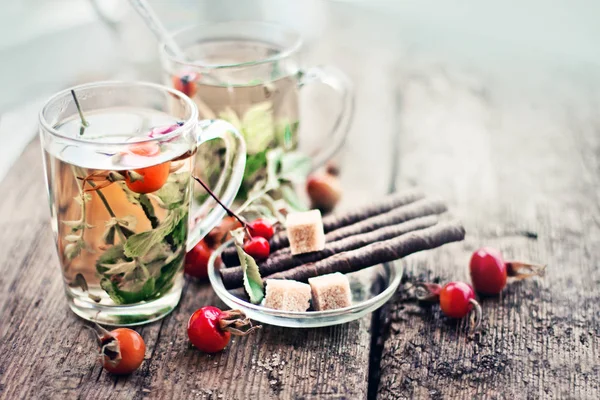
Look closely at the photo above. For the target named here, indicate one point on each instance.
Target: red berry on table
(121, 350)
(258, 247)
(489, 271)
(204, 331)
(196, 260)
(262, 228)
(456, 299)
(324, 191)
(186, 83)
(210, 329)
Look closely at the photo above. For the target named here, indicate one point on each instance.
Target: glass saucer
(371, 288)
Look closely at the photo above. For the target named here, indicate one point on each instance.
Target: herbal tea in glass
(248, 73)
(118, 161)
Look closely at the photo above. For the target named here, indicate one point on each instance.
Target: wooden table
(518, 163)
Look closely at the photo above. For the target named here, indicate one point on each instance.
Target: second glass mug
(119, 180)
(249, 74)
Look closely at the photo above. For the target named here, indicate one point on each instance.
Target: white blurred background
(46, 45)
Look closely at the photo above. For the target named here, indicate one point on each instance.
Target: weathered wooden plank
(515, 161)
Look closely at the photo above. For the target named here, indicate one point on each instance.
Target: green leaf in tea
(126, 225)
(132, 290)
(285, 133)
(171, 266)
(169, 196)
(295, 167)
(111, 255)
(258, 127)
(273, 163)
(292, 199)
(119, 268)
(148, 209)
(230, 116)
(252, 280)
(255, 163)
(140, 243)
(179, 234)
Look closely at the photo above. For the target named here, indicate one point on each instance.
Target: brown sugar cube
(287, 295)
(305, 231)
(330, 291)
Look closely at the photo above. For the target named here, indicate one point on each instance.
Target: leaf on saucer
(252, 280)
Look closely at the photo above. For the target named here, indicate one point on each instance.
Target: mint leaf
(286, 134)
(141, 243)
(119, 268)
(252, 280)
(258, 127)
(255, 163)
(169, 196)
(291, 198)
(164, 282)
(112, 255)
(230, 116)
(273, 163)
(295, 167)
(132, 290)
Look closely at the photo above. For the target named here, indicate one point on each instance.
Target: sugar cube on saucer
(305, 231)
(288, 295)
(330, 291)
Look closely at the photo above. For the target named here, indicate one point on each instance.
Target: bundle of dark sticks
(401, 224)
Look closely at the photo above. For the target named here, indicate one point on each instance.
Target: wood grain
(45, 352)
(520, 167)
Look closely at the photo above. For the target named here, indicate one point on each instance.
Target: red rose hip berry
(210, 329)
(489, 271)
(456, 299)
(196, 260)
(324, 191)
(258, 247)
(186, 83)
(121, 350)
(261, 228)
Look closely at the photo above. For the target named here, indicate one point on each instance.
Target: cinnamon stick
(333, 222)
(377, 253)
(414, 210)
(282, 259)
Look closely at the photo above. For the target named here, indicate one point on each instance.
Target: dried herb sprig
(78, 227)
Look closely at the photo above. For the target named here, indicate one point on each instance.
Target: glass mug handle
(341, 84)
(231, 177)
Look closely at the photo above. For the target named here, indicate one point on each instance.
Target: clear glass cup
(120, 187)
(249, 74)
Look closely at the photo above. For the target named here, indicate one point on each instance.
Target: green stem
(110, 211)
(84, 123)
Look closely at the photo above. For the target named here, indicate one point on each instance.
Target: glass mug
(119, 182)
(248, 74)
